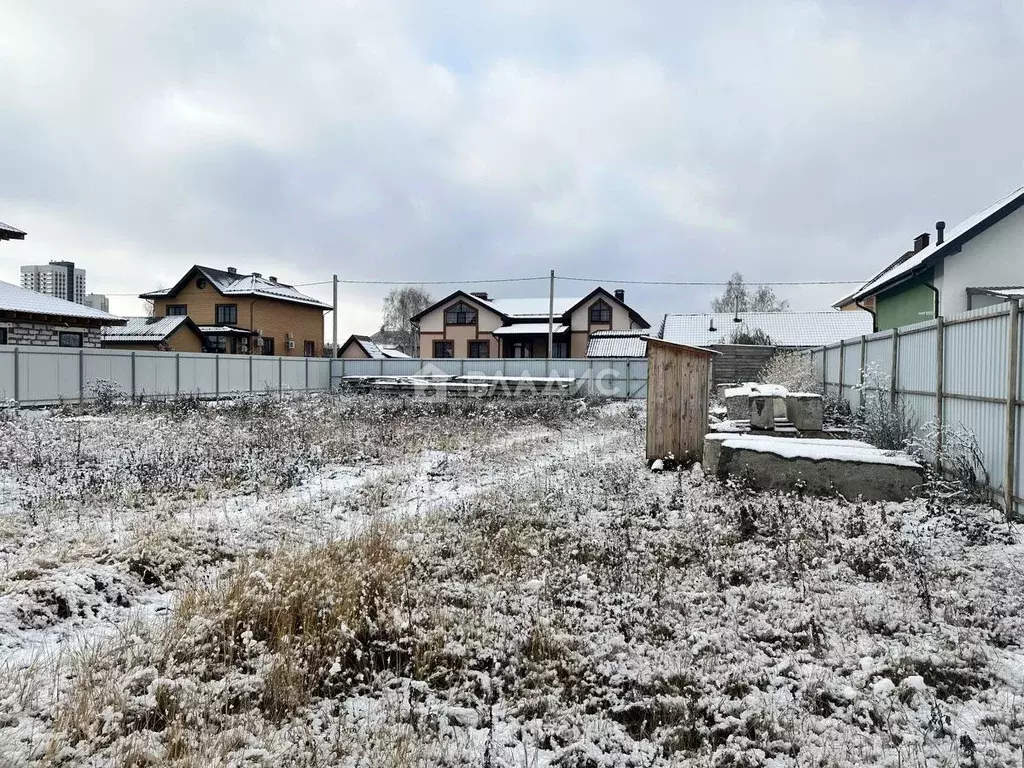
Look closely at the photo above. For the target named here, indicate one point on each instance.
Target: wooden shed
(678, 384)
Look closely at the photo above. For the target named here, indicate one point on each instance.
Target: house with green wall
(977, 263)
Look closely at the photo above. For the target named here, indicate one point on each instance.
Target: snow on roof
(7, 232)
(814, 449)
(144, 329)
(953, 238)
(374, 350)
(16, 299)
(629, 343)
(785, 329)
(533, 307)
(524, 329)
(225, 329)
(1006, 292)
(232, 284)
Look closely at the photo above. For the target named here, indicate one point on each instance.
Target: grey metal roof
(374, 350)
(954, 238)
(16, 299)
(144, 329)
(236, 284)
(629, 343)
(785, 329)
(7, 232)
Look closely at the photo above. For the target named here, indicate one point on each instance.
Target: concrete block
(804, 410)
(819, 466)
(737, 406)
(721, 388)
(762, 411)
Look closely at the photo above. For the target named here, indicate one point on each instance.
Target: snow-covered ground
(382, 582)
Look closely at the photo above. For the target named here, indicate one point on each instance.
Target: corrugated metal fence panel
(319, 374)
(974, 357)
(109, 365)
(265, 374)
(988, 423)
(916, 365)
(155, 374)
(197, 374)
(293, 374)
(851, 372)
(6, 373)
(234, 374)
(832, 370)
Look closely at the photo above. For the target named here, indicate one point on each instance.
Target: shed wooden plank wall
(677, 402)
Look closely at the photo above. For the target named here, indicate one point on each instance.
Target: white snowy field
(357, 581)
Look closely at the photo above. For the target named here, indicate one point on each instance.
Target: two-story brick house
(473, 325)
(245, 313)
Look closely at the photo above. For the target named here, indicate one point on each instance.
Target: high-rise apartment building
(58, 278)
(97, 301)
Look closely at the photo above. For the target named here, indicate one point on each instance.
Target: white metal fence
(958, 370)
(49, 375)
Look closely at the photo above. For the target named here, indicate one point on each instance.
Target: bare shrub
(884, 422)
(957, 473)
(792, 371)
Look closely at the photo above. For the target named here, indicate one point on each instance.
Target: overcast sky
(419, 140)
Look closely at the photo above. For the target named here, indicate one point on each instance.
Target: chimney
(256, 274)
(273, 279)
(620, 295)
(921, 242)
(232, 271)
(480, 295)
(940, 232)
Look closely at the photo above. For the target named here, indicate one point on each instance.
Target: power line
(711, 282)
(423, 282)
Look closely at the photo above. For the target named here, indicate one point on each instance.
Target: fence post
(81, 376)
(307, 373)
(280, 378)
(824, 371)
(842, 365)
(1012, 385)
(250, 373)
(863, 360)
(629, 382)
(940, 375)
(894, 365)
(17, 375)
(134, 375)
(177, 374)
(216, 376)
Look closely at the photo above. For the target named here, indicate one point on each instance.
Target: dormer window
(460, 314)
(600, 313)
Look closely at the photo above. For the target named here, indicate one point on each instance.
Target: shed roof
(7, 232)
(785, 329)
(632, 343)
(904, 267)
(16, 299)
(144, 330)
(372, 348)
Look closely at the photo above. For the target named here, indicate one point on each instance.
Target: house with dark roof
(473, 325)
(28, 318)
(173, 333)
(365, 348)
(245, 313)
(976, 263)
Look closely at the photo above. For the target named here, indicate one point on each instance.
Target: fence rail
(961, 370)
(50, 375)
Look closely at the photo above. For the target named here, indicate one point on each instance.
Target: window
(522, 349)
(201, 283)
(600, 312)
(217, 344)
(173, 310)
(69, 339)
(3, 335)
(479, 349)
(309, 349)
(444, 349)
(226, 314)
(460, 314)
(268, 346)
(560, 349)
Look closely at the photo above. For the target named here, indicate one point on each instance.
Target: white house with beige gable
(473, 325)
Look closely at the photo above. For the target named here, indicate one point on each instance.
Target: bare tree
(737, 297)
(399, 306)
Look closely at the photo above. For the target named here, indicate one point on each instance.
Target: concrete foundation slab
(821, 467)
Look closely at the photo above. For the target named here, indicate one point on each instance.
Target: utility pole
(551, 318)
(334, 347)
